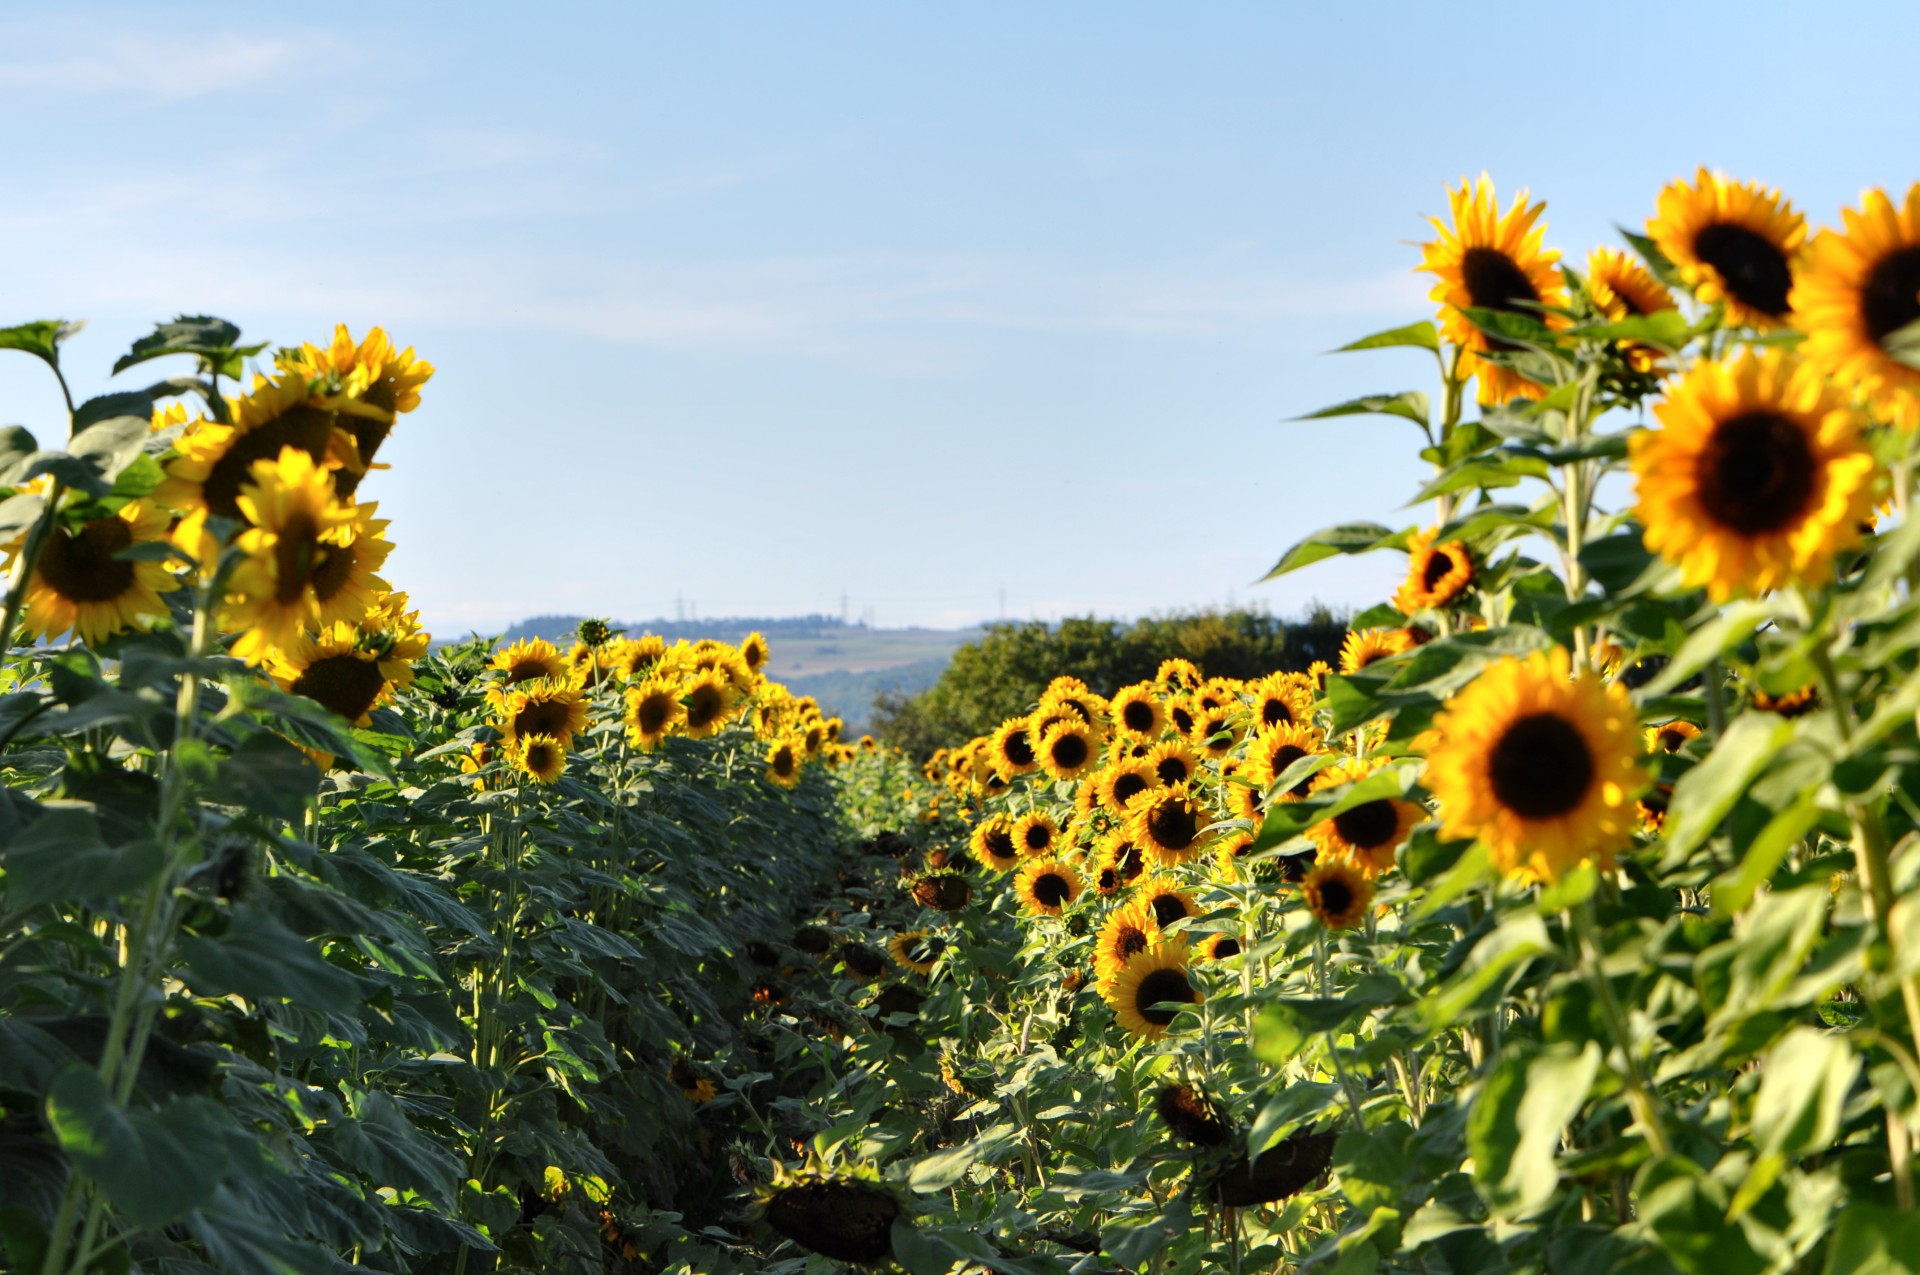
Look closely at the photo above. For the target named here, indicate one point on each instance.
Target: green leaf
(1803, 1092)
(1287, 1023)
(262, 960)
(1710, 641)
(153, 1166)
(1871, 1240)
(1903, 344)
(1489, 470)
(1525, 330)
(1687, 1212)
(1410, 404)
(214, 340)
(1667, 329)
(1422, 334)
(1733, 890)
(1706, 793)
(16, 446)
(1488, 967)
(1657, 263)
(1514, 1124)
(62, 858)
(1350, 537)
(41, 339)
(112, 444)
(941, 1169)
(1370, 1166)
(106, 406)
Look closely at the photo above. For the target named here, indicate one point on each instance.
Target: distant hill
(842, 665)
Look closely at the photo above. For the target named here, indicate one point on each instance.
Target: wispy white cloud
(71, 60)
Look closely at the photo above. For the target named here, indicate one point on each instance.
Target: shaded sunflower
(1731, 241)
(1137, 713)
(297, 524)
(1191, 1116)
(1047, 886)
(528, 660)
(1437, 574)
(1128, 929)
(1652, 805)
(541, 757)
(1013, 753)
(1368, 833)
(1670, 737)
(1757, 478)
(710, 702)
(848, 1219)
(1168, 902)
(1069, 750)
(1272, 752)
(943, 891)
(861, 961)
(1365, 646)
(1622, 288)
(993, 845)
(544, 708)
(1118, 851)
(1035, 834)
(1338, 893)
(917, 950)
(783, 764)
(477, 758)
(213, 460)
(1151, 988)
(1279, 700)
(81, 585)
(1539, 764)
(653, 710)
(1169, 824)
(694, 1087)
(1859, 287)
(1795, 703)
(1243, 798)
(1487, 261)
(1218, 946)
(1173, 763)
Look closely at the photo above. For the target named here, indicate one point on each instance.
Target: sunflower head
(1280, 700)
(845, 1217)
(529, 660)
(1047, 887)
(1152, 987)
(1622, 288)
(1119, 852)
(1670, 737)
(1036, 835)
(943, 891)
(1539, 764)
(1736, 242)
(993, 845)
(1176, 675)
(1437, 573)
(557, 709)
(81, 585)
(1338, 893)
(783, 764)
(1167, 901)
(1013, 752)
(1757, 478)
(1173, 763)
(1122, 781)
(1369, 833)
(917, 950)
(710, 702)
(1218, 946)
(1137, 713)
(638, 658)
(1489, 261)
(1859, 286)
(1272, 752)
(1069, 750)
(1366, 646)
(1170, 824)
(540, 758)
(653, 710)
(1191, 1116)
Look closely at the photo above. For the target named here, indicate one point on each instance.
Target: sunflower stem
(23, 569)
(1639, 1097)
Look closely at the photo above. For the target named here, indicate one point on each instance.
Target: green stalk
(1645, 1106)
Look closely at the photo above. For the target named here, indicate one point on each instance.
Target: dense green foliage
(1002, 674)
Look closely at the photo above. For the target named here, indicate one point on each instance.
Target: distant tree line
(726, 628)
(1002, 674)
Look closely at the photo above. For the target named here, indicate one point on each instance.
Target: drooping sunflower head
(783, 764)
(1153, 987)
(374, 383)
(1069, 750)
(710, 702)
(653, 710)
(1173, 763)
(1859, 286)
(1622, 288)
(1757, 478)
(1671, 737)
(1137, 713)
(844, 1217)
(1338, 893)
(1489, 261)
(1370, 832)
(1191, 1116)
(541, 758)
(81, 585)
(1036, 835)
(943, 891)
(917, 950)
(1539, 764)
(1013, 752)
(1271, 752)
(993, 845)
(1170, 824)
(1218, 946)
(1797, 702)
(1736, 242)
(1366, 646)
(861, 961)
(1047, 887)
(1437, 573)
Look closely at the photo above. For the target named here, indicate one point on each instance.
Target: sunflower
(783, 764)
(1368, 833)
(1192, 1116)
(636, 658)
(1128, 929)
(1670, 737)
(1731, 241)
(1173, 763)
(754, 650)
(81, 585)
(1795, 703)
(213, 460)
(653, 710)
(297, 524)
(1218, 946)
(1137, 713)
(917, 950)
(1540, 765)
(1168, 902)
(1106, 880)
(1151, 980)
(1046, 886)
(1069, 750)
(694, 1087)
(1364, 646)
(1180, 715)
(1487, 261)
(1437, 574)
(943, 890)
(1319, 671)
(1012, 752)
(1622, 288)
(1118, 851)
(710, 701)
(1176, 674)
(1213, 732)
(1091, 709)
(1279, 700)
(1758, 477)
(1228, 851)
(847, 1218)
(529, 660)
(376, 383)
(1035, 834)
(542, 757)
(1652, 805)
(1272, 751)
(1170, 824)
(1122, 781)
(992, 844)
(1243, 799)
(1859, 287)
(1338, 893)
(353, 669)
(544, 708)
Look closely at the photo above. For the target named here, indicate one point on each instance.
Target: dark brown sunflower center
(1070, 751)
(1182, 720)
(1439, 567)
(306, 428)
(1128, 942)
(1756, 473)
(1671, 741)
(1172, 770)
(1224, 946)
(344, 683)
(82, 568)
(1275, 711)
(542, 717)
(1368, 825)
(541, 757)
(1130, 862)
(704, 705)
(1890, 300)
(783, 761)
(1541, 768)
(1018, 750)
(846, 1221)
(1752, 267)
(1137, 716)
(1336, 896)
(297, 554)
(1108, 881)
(999, 844)
(334, 572)
(1126, 786)
(1163, 986)
(1167, 908)
(1051, 889)
(1495, 282)
(1038, 837)
(652, 713)
(1654, 802)
(523, 670)
(1173, 824)
(1283, 757)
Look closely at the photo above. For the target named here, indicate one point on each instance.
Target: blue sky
(755, 305)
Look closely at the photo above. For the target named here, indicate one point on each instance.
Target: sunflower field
(1571, 923)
